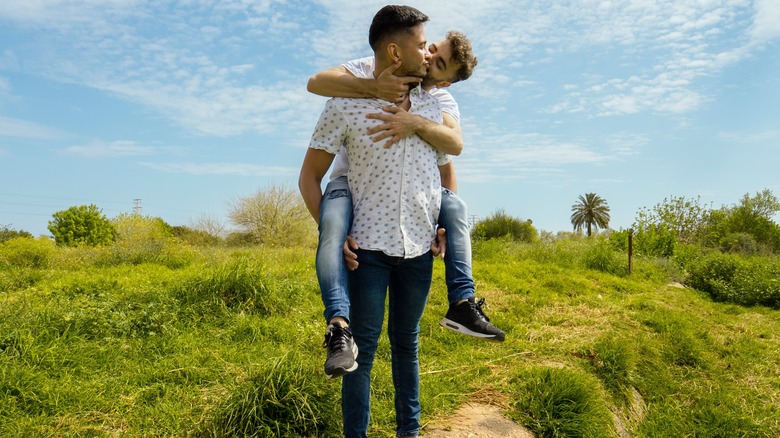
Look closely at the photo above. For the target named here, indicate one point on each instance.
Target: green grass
(175, 341)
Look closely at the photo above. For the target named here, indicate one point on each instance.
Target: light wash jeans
(405, 283)
(335, 221)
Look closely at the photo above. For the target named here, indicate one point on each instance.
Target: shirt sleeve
(447, 103)
(331, 129)
(442, 158)
(361, 68)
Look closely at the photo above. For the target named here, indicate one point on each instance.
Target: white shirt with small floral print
(396, 191)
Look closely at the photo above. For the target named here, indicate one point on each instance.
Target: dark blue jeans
(405, 283)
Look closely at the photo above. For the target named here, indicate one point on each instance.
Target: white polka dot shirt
(396, 191)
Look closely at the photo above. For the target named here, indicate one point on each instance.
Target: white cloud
(11, 127)
(237, 169)
(749, 137)
(223, 68)
(766, 22)
(118, 148)
(522, 156)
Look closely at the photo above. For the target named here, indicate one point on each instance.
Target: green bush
(195, 237)
(736, 279)
(27, 252)
(739, 243)
(144, 239)
(559, 402)
(501, 225)
(82, 225)
(6, 233)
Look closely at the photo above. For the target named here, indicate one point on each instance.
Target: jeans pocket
(338, 193)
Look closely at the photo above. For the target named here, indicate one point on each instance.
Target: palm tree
(591, 210)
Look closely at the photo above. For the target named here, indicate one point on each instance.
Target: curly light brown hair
(462, 54)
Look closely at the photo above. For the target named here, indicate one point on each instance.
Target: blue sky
(193, 104)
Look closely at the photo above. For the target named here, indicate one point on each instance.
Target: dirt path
(476, 420)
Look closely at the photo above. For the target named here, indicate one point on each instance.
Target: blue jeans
(408, 282)
(335, 221)
(453, 217)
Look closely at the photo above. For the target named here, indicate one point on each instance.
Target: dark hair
(462, 54)
(392, 19)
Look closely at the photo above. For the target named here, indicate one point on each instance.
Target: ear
(394, 52)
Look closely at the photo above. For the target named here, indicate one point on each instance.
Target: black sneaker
(342, 351)
(469, 319)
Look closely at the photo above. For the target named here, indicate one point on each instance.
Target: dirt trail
(476, 420)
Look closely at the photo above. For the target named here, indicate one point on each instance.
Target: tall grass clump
(600, 256)
(559, 402)
(614, 361)
(242, 284)
(286, 398)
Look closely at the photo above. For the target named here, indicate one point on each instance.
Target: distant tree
(590, 211)
(752, 216)
(685, 218)
(275, 216)
(139, 228)
(82, 225)
(7, 233)
(208, 224)
(502, 225)
(195, 237)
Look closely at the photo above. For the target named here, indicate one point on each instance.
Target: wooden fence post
(630, 251)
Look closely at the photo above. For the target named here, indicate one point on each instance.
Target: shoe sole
(460, 328)
(340, 372)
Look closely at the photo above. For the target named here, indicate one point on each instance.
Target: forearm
(441, 137)
(311, 190)
(315, 165)
(338, 82)
(448, 179)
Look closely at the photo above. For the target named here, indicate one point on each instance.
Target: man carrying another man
(452, 60)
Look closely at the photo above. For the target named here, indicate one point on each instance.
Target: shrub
(654, 240)
(144, 239)
(27, 252)
(6, 233)
(195, 237)
(82, 225)
(502, 225)
(736, 279)
(739, 243)
(275, 216)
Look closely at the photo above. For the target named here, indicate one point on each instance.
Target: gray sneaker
(342, 351)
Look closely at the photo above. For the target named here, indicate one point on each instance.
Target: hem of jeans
(461, 296)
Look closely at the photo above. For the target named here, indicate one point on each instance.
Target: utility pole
(137, 206)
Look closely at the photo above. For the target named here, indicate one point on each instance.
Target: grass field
(171, 340)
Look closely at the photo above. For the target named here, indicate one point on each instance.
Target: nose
(428, 55)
